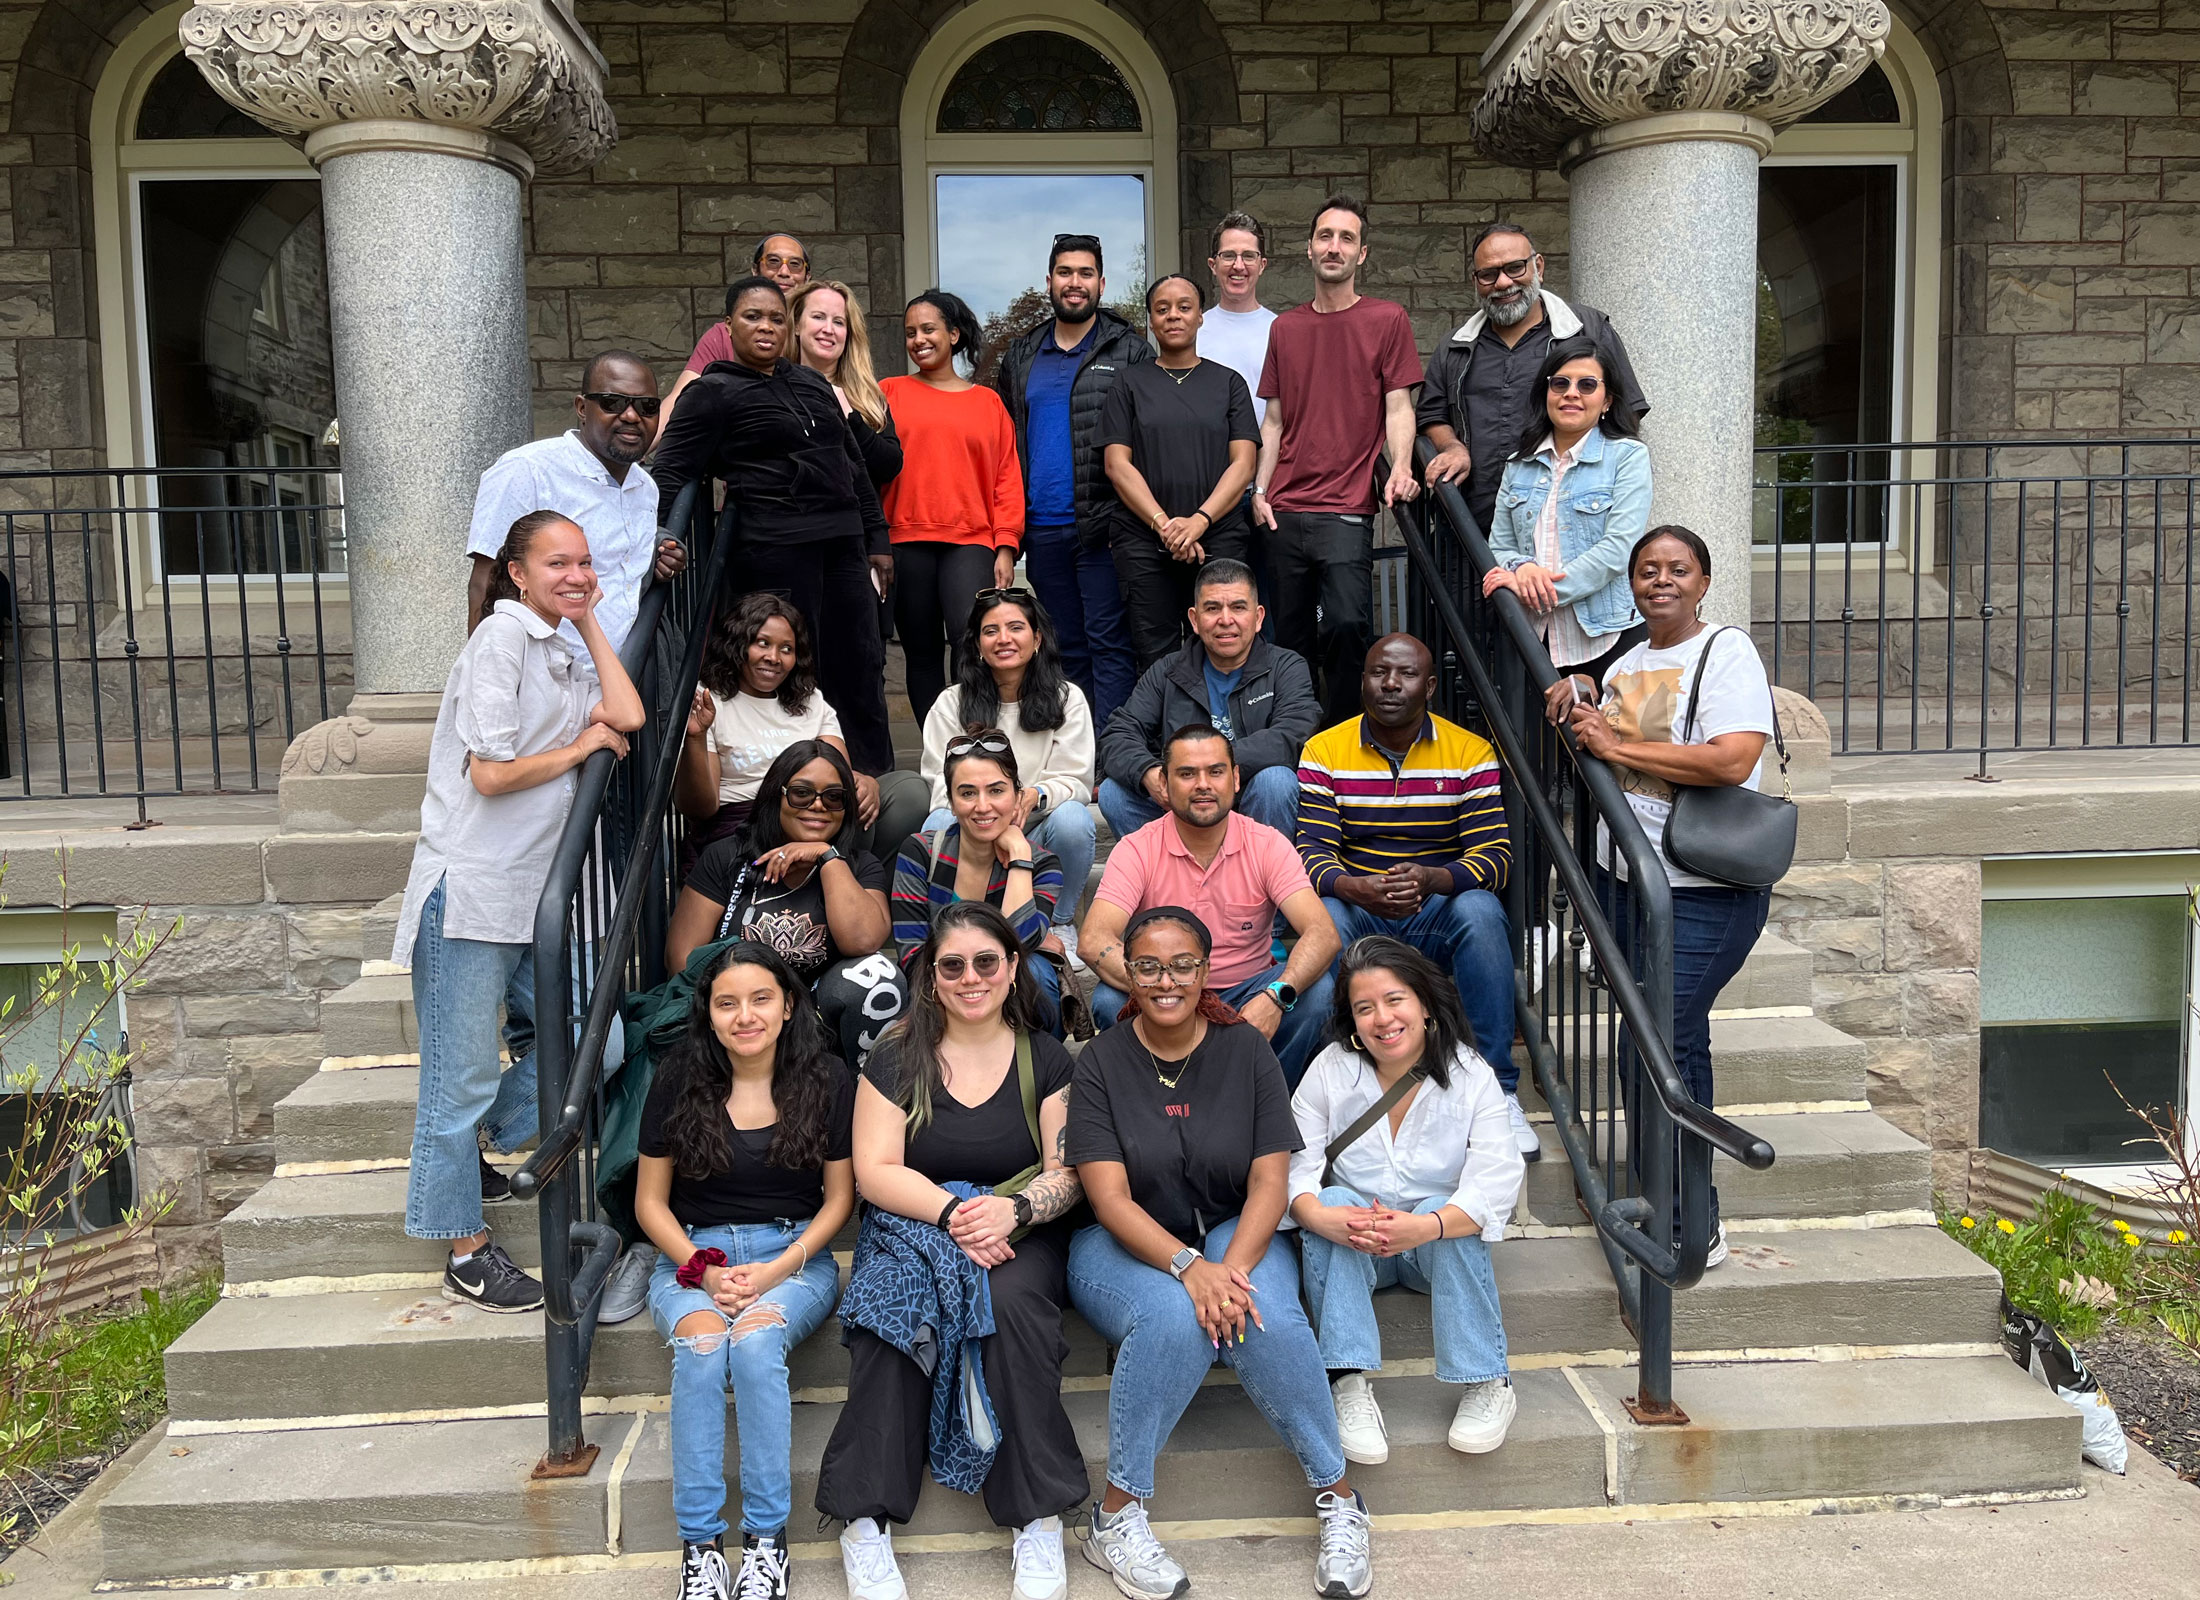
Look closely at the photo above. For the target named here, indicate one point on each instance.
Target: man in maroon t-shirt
(1339, 385)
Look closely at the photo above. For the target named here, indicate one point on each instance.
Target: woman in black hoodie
(810, 523)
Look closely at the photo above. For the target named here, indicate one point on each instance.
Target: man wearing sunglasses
(1481, 387)
(590, 473)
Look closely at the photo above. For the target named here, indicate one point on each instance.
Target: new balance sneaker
(1041, 1573)
(1341, 1565)
(1484, 1417)
(1524, 1138)
(763, 1574)
(626, 1290)
(703, 1573)
(867, 1556)
(495, 1186)
(1716, 1255)
(488, 1279)
(1360, 1420)
(1123, 1546)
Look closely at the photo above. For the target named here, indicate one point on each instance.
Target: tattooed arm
(1056, 1189)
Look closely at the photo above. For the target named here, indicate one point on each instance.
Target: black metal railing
(1594, 967)
(1982, 596)
(602, 920)
(167, 631)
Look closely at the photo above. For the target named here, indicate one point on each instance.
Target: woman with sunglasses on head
(1424, 1177)
(831, 339)
(957, 510)
(806, 512)
(1010, 677)
(1574, 499)
(745, 1173)
(1180, 1128)
(964, 1098)
(794, 879)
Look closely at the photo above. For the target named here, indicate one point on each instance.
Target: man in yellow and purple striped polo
(1402, 829)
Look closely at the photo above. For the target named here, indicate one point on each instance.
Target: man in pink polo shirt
(1235, 874)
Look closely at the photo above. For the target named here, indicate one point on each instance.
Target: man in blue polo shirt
(1054, 380)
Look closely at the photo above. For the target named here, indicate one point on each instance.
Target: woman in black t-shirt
(1179, 442)
(793, 879)
(941, 1102)
(745, 1177)
(1181, 1129)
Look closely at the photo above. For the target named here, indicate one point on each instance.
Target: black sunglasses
(613, 405)
(1012, 595)
(806, 797)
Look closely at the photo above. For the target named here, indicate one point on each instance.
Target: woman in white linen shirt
(1416, 1201)
(521, 712)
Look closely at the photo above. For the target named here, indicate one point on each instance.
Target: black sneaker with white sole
(495, 1185)
(703, 1571)
(488, 1279)
(764, 1561)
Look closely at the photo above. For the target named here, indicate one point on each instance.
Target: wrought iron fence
(166, 631)
(1981, 596)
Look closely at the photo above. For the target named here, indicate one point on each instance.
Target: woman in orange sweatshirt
(956, 512)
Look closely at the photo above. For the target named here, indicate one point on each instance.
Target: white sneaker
(1123, 1546)
(1524, 1137)
(1484, 1417)
(1360, 1420)
(1041, 1573)
(1342, 1569)
(1067, 933)
(867, 1554)
(1716, 1255)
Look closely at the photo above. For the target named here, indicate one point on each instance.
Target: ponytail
(518, 540)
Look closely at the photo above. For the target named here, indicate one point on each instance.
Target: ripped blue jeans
(750, 1361)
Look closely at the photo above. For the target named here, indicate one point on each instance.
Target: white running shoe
(1716, 1255)
(1041, 1573)
(1342, 1569)
(1123, 1546)
(1484, 1417)
(1360, 1420)
(1524, 1137)
(867, 1553)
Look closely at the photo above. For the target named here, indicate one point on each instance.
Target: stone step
(458, 1491)
(1756, 1061)
(1777, 973)
(407, 1350)
(371, 1017)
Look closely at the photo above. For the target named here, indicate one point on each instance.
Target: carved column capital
(516, 73)
(1564, 69)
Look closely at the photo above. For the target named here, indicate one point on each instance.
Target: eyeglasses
(1488, 277)
(612, 405)
(986, 964)
(963, 744)
(772, 264)
(808, 797)
(1148, 971)
(1561, 384)
(1239, 258)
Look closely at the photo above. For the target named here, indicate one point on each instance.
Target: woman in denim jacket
(1574, 499)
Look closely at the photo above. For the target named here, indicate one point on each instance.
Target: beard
(1505, 315)
(1073, 315)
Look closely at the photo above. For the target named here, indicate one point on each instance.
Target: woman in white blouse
(1416, 1200)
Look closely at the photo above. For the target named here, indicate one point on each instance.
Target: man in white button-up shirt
(591, 473)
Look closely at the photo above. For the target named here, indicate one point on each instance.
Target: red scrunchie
(691, 1275)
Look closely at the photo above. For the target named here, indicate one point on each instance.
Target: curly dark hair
(764, 831)
(916, 1034)
(1448, 1025)
(728, 651)
(804, 1076)
(1041, 703)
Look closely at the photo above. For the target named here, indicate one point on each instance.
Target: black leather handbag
(1726, 832)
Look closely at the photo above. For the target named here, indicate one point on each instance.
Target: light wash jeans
(1162, 1355)
(456, 985)
(1298, 1036)
(1067, 830)
(1271, 797)
(1454, 1273)
(517, 1118)
(753, 1367)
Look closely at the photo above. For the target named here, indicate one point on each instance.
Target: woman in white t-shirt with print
(1644, 712)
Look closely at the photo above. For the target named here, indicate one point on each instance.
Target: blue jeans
(456, 985)
(516, 1119)
(1467, 934)
(1067, 830)
(1162, 1355)
(752, 1364)
(1455, 1274)
(1298, 1036)
(1084, 600)
(1271, 796)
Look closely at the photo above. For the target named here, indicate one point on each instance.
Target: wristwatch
(832, 853)
(1019, 866)
(1284, 994)
(1022, 1203)
(1181, 1262)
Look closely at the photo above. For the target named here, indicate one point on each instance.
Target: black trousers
(1325, 576)
(829, 582)
(935, 585)
(874, 1463)
(1157, 588)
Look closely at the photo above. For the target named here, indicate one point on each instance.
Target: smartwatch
(1019, 866)
(1022, 1203)
(1181, 1262)
(832, 853)
(1284, 994)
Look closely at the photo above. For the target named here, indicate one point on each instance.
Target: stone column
(1658, 112)
(425, 117)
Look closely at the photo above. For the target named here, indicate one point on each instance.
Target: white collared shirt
(620, 520)
(517, 689)
(1456, 1142)
(1569, 644)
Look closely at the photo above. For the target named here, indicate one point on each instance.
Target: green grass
(2056, 1263)
(113, 1383)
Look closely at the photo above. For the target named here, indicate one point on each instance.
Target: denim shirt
(1604, 508)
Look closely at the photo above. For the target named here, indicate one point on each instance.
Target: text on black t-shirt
(791, 921)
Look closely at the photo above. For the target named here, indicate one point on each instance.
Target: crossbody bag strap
(1368, 1118)
(1695, 694)
(1027, 1082)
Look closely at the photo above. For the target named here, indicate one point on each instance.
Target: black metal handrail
(1597, 1039)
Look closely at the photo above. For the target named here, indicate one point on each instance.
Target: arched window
(1020, 124)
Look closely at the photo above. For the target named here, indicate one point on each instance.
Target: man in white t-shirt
(1235, 333)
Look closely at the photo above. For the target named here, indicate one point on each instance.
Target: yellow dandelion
(2129, 1237)
(1969, 1223)
(2120, 1225)
(2177, 1236)
(2005, 1225)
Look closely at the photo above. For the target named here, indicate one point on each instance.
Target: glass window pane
(180, 104)
(2119, 960)
(1038, 82)
(1871, 98)
(236, 315)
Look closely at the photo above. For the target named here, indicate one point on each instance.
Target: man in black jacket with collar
(1054, 380)
(1260, 694)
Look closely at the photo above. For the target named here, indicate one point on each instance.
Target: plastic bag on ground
(2049, 1357)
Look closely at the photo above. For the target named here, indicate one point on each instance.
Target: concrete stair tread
(1758, 1061)
(348, 1224)
(371, 1016)
(1777, 973)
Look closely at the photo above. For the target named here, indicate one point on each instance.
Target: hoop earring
(1361, 1048)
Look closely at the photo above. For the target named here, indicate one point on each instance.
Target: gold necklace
(1165, 1081)
(1171, 371)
